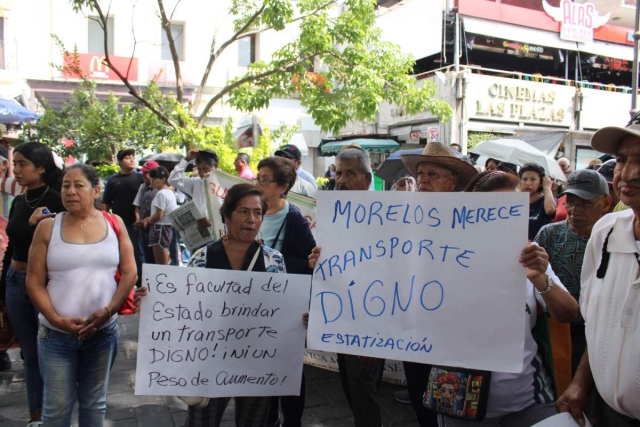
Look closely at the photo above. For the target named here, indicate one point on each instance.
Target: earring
(260, 240)
(225, 237)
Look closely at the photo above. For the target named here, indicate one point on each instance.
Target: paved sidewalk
(326, 405)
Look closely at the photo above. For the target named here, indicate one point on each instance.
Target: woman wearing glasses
(287, 231)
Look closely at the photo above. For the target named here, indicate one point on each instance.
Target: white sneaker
(35, 424)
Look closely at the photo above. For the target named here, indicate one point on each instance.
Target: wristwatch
(549, 286)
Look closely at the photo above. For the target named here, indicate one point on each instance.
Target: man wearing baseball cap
(120, 191)
(204, 162)
(610, 296)
(587, 200)
(292, 152)
(301, 186)
(142, 204)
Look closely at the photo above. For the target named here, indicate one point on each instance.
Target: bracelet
(110, 315)
(549, 286)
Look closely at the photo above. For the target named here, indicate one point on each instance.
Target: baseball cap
(606, 170)
(208, 152)
(290, 151)
(148, 165)
(124, 153)
(587, 184)
(607, 139)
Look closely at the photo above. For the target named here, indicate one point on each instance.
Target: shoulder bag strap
(273, 245)
(255, 258)
(113, 222)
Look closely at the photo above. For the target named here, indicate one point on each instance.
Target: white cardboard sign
(219, 333)
(422, 277)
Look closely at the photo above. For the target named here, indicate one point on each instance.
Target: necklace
(36, 201)
(81, 225)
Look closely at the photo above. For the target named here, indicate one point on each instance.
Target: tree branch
(132, 90)
(215, 54)
(248, 79)
(166, 25)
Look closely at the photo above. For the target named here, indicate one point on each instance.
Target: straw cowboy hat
(440, 155)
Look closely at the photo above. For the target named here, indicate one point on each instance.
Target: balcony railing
(537, 77)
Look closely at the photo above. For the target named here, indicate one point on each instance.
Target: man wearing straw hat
(437, 170)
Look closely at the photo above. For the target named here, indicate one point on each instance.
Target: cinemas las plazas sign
(577, 21)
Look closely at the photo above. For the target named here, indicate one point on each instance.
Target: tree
(339, 37)
(100, 128)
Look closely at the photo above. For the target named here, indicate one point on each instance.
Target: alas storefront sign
(577, 21)
(94, 67)
(509, 100)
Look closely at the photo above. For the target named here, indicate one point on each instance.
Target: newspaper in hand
(185, 220)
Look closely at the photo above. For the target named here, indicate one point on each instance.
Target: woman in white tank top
(76, 255)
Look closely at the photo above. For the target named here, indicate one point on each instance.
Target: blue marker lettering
(375, 212)
(514, 211)
(322, 305)
(424, 244)
(463, 256)
(391, 213)
(426, 285)
(431, 211)
(396, 297)
(337, 210)
(366, 295)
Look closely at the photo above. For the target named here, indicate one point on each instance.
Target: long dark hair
(42, 156)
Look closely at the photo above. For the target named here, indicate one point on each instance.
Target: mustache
(634, 182)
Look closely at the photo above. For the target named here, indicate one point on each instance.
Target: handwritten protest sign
(219, 333)
(219, 182)
(430, 278)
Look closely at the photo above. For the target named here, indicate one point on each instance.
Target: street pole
(634, 76)
(456, 45)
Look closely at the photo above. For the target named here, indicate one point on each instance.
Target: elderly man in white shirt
(610, 296)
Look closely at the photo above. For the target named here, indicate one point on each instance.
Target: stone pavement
(326, 405)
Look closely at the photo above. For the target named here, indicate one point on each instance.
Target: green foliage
(99, 128)
(361, 70)
(356, 70)
(105, 171)
(321, 181)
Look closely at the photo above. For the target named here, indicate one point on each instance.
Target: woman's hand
(39, 214)
(137, 298)
(313, 257)
(305, 319)
(94, 322)
(73, 325)
(535, 259)
(145, 222)
(547, 183)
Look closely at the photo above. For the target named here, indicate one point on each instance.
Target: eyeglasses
(263, 180)
(582, 205)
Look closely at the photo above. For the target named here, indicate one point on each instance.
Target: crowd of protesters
(64, 252)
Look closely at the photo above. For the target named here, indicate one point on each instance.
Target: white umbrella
(519, 152)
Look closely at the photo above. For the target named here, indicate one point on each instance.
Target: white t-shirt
(510, 393)
(165, 200)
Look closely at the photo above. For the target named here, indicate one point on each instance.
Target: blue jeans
(76, 369)
(24, 319)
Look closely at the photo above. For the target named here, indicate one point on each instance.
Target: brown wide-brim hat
(440, 155)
